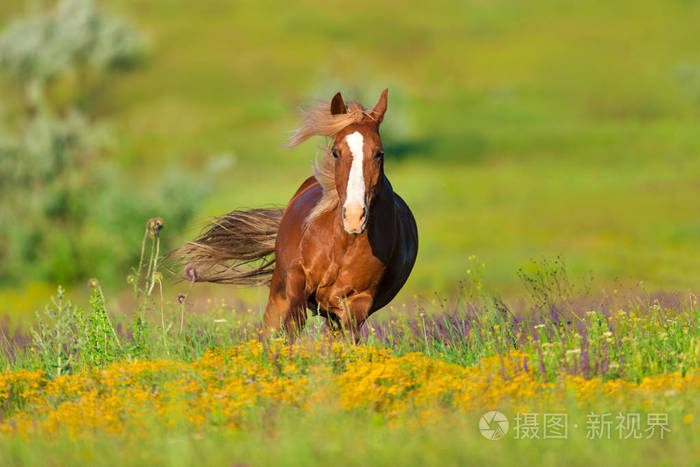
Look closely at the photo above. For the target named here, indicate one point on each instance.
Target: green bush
(61, 200)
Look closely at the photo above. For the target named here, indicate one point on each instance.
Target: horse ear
(337, 105)
(379, 109)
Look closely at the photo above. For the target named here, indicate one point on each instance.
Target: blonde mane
(318, 121)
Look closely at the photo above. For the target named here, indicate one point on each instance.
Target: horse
(343, 246)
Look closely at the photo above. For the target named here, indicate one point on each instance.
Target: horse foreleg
(277, 305)
(354, 310)
(286, 307)
(294, 318)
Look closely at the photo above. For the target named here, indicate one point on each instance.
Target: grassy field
(518, 132)
(572, 380)
(178, 388)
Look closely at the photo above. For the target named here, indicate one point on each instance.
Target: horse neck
(386, 198)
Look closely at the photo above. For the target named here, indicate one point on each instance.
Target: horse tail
(236, 248)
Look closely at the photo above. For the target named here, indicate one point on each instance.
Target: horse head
(359, 163)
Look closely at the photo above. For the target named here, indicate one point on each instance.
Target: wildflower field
(617, 377)
(549, 151)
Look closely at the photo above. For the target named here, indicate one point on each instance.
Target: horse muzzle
(355, 218)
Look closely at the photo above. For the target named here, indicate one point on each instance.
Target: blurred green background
(515, 130)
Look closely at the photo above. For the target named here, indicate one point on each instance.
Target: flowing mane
(318, 121)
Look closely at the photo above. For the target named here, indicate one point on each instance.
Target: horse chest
(344, 272)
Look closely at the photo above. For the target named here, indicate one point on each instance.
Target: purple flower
(191, 273)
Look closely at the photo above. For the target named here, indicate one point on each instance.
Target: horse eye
(379, 154)
(335, 153)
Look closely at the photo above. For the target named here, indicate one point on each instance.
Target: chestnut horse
(344, 245)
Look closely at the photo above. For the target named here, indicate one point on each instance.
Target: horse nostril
(343, 212)
(364, 213)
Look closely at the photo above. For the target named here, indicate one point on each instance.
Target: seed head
(93, 283)
(154, 225)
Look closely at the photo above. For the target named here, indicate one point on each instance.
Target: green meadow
(516, 130)
(550, 152)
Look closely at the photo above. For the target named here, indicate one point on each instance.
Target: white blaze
(356, 179)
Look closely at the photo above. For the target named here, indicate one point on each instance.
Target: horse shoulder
(292, 225)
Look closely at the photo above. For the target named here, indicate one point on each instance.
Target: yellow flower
(223, 386)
